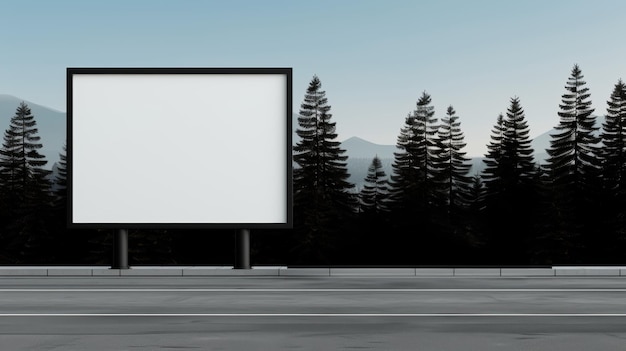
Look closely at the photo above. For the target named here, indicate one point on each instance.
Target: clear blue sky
(374, 58)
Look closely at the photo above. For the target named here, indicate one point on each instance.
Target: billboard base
(120, 250)
(242, 243)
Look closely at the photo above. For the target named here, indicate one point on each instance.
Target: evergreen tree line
(429, 211)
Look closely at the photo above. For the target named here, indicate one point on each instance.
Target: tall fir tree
(427, 126)
(573, 172)
(323, 198)
(450, 183)
(413, 164)
(614, 142)
(450, 165)
(511, 192)
(411, 185)
(518, 164)
(573, 150)
(25, 188)
(613, 155)
(373, 219)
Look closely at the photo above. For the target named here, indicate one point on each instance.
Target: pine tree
(573, 150)
(426, 125)
(511, 193)
(517, 154)
(375, 190)
(413, 165)
(613, 154)
(448, 184)
(373, 220)
(322, 194)
(450, 164)
(25, 187)
(411, 185)
(509, 160)
(614, 142)
(573, 171)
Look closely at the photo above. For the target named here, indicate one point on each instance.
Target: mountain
(360, 148)
(50, 123)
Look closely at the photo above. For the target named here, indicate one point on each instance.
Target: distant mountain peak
(8, 99)
(360, 148)
(356, 139)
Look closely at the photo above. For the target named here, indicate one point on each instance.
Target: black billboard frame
(288, 156)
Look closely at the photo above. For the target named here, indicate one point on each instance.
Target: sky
(374, 58)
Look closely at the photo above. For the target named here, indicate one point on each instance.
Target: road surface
(312, 313)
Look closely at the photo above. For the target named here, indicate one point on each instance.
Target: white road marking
(313, 315)
(303, 290)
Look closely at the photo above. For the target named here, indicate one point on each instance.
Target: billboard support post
(120, 249)
(242, 242)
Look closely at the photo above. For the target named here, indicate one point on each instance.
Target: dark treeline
(429, 211)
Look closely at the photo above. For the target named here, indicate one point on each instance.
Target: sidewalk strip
(621, 315)
(529, 290)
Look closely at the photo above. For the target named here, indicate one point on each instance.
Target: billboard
(179, 147)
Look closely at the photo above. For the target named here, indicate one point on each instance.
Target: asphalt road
(313, 313)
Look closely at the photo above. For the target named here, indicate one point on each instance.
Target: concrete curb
(372, 272)
(588, 271)
(527, 272)
(203, 271)
(319, 272)
(482, 272)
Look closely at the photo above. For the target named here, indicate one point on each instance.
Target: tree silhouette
(614, 142)
(613, 156)
(573, 149)
(450, 164)
(25, 187)
(573, 169)
(511, 191)
(517, 154)
(412, 190)
(322, 197)
(449, 182)
(413, 164)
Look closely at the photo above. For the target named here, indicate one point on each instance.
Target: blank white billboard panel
(207, 147)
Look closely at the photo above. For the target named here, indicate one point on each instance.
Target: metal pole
(242, 242)
(120, 249)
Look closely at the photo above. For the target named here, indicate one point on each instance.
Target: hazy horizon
(374, 58)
